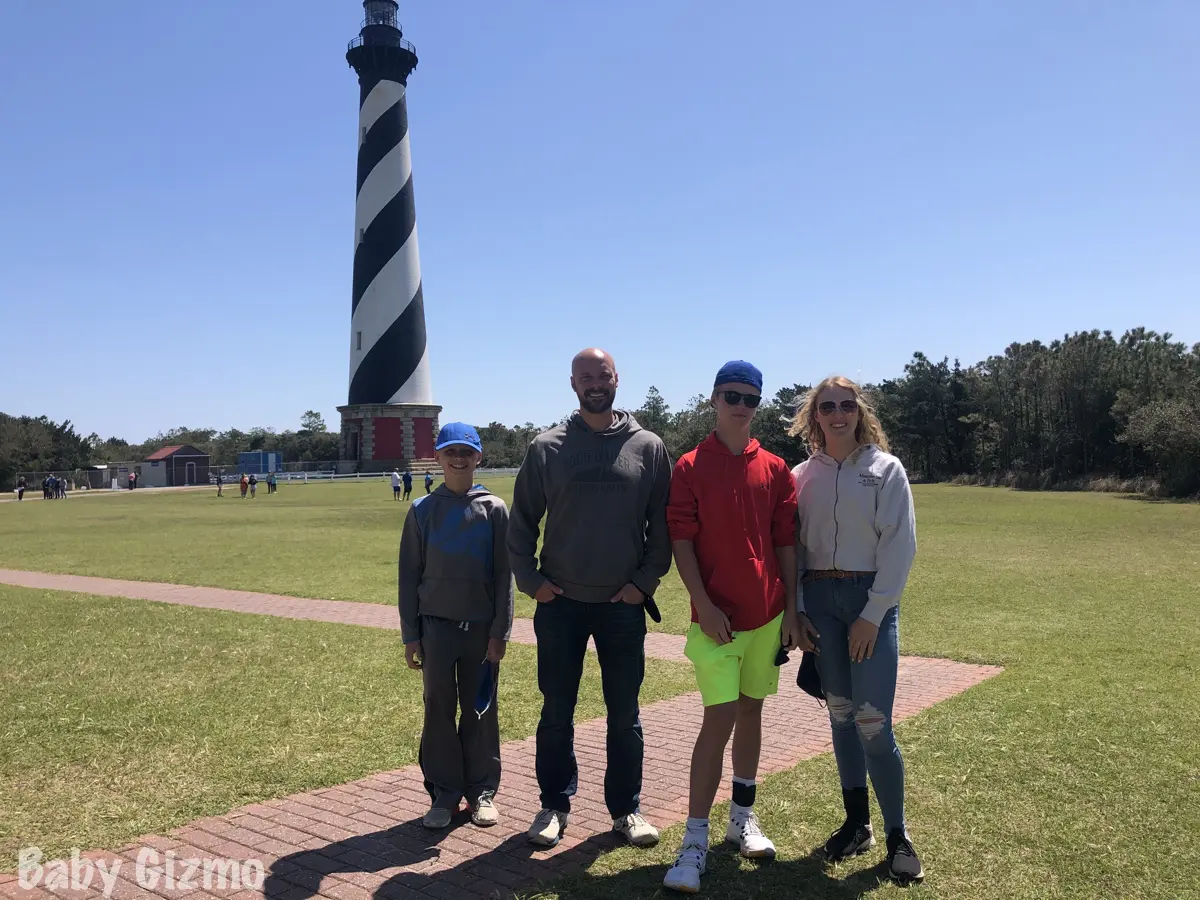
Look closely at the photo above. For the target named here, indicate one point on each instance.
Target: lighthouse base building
(384, 436)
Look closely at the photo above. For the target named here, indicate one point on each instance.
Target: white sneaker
(548, 827)
(689, 865)
(484, 812)
(748, 835)
(636, 829)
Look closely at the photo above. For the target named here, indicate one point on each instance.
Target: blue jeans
(860, 694)
(563, 627)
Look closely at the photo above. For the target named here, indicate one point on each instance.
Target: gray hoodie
(604, 495)
(453, 564)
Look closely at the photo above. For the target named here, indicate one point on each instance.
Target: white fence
(317, 477)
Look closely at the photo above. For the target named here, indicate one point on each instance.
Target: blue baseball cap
(738, 371)
(459, 433)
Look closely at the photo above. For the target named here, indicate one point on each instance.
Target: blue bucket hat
(738, 371)
(458, 433)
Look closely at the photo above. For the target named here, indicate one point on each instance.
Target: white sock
(696, 833)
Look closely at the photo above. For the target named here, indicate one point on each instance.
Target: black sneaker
(903, 863)
(849, 840)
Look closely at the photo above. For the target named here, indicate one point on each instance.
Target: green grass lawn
(1075, 774)
(122, 717)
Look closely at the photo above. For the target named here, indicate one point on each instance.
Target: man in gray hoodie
(601, 482)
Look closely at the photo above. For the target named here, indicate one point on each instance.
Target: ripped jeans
(860, 695)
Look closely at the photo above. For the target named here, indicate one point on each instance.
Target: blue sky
(815, 187)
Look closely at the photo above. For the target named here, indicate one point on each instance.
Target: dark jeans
(563, 627)
(460, 750)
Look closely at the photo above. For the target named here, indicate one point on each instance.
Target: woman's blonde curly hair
(807, 428)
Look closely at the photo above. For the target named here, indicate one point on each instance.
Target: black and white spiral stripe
(389, 359)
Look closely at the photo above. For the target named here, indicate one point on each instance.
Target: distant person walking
(219, 481)
(396, 483)
(253, 485)
(21, 488)
(245, 485)
(132, 480)
(857, 535)
(272, 483)
(407, 478)
(428, 482)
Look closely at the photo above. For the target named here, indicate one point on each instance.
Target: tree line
(1088, 407)
(1089, 410)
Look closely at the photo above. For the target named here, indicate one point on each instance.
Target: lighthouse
(390, 418)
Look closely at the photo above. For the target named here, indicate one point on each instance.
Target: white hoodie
(856, 516)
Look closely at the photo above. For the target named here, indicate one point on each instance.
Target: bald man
(602, 484)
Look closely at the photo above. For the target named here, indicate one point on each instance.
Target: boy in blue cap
(456, 610)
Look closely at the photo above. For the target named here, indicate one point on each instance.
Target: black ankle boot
(855, 835)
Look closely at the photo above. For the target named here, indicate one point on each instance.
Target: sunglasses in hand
(733, 398)
(828, 407)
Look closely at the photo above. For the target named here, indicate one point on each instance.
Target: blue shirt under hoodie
(453, 562)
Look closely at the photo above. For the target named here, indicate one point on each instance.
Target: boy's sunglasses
(733, 398)
(828, 407)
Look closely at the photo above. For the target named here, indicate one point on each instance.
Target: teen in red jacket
(732, 520)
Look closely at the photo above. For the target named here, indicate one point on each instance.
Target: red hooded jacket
(736, 510)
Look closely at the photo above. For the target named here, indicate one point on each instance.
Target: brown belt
(821, 574)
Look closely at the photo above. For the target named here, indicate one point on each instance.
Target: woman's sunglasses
(733, 398)
(828, 407)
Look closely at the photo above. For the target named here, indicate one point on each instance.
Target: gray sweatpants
(458, 759)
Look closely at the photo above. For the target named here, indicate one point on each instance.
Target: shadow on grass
(515, 868)
(727, 876)
(1174, 501)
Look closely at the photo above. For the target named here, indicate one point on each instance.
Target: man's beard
(597, 404)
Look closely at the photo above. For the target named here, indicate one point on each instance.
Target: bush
(1168, 432)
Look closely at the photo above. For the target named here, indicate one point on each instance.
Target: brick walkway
(364, 838)
(373, 615)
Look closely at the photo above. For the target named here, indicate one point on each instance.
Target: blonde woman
(857, 536)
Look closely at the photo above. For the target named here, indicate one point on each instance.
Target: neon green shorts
(746, 665)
